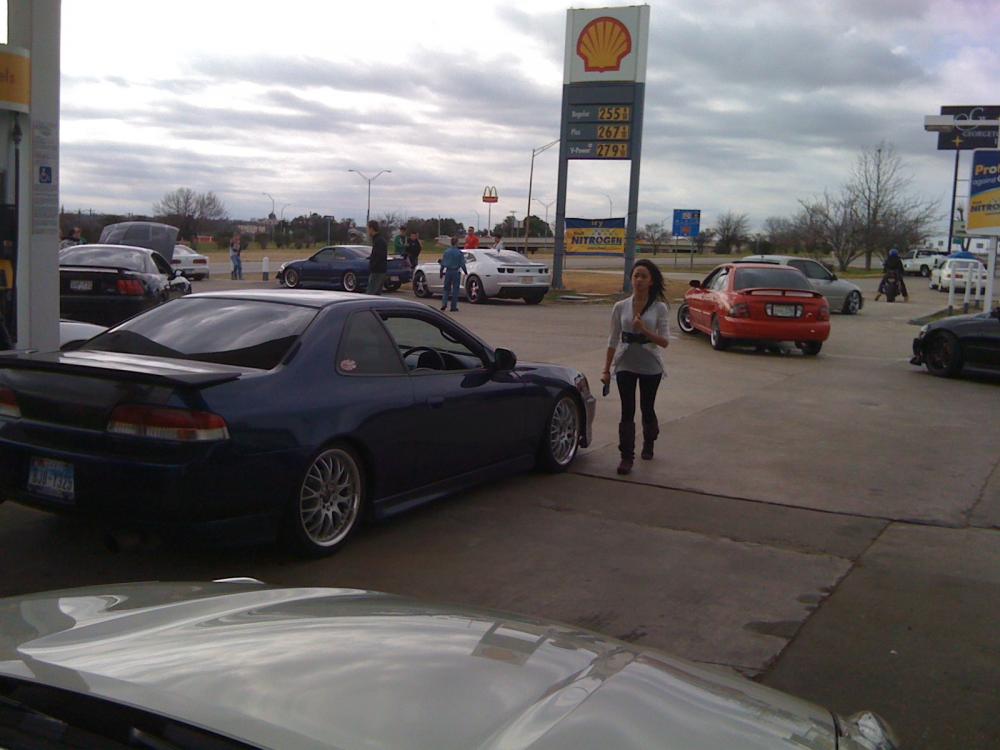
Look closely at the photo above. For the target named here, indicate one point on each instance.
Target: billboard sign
(595, 236)
(687, 222)
(969, 137)
(606, 44)
(984, 194)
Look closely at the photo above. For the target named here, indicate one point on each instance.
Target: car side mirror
(833, 277)
(504, 360)
(695, 283)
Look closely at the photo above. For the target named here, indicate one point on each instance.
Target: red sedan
(756, 303)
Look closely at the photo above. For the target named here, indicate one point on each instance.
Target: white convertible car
(491, 273)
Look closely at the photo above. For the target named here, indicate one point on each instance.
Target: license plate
(81, 285)
(526, 279)
(783, 311)
(51, 477)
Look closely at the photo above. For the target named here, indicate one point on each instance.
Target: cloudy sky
(749, 105)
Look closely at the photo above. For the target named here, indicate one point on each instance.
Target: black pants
(647, 395)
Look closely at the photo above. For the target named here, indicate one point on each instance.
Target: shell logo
(603, 44)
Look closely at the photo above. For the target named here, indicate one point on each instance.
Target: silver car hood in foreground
(335, 668)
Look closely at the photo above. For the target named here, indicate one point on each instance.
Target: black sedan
(341, 267)
(272, 412)
(964, 342)
(105, 284)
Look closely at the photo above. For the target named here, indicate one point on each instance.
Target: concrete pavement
(804, 518)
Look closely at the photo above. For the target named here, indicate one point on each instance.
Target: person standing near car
(639, 329)
(452, 266)
(399, 242)
(235, 253)
(378, 261)
(471, 239)
(413, 248)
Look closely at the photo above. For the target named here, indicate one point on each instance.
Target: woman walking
(639, 329)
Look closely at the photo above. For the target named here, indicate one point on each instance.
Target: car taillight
(162, 423)
(200, 262)
(130, 287)
(740, 310)
(824, 312)
(8, 404)
(175, 262)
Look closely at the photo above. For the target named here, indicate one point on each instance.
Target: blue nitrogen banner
(595, 236)
(984, 193)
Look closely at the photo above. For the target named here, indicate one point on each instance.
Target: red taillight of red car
(8, 404)
(130, 287)
(824, 312)
(161, 423)
(740, 310)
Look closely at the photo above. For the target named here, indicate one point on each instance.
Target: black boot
(650, 431)
(626, 445)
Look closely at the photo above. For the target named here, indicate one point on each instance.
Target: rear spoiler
(762, 291)
(98, 269)
(159, 371)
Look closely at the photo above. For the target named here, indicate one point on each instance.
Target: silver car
(236, 664)
(843, 296)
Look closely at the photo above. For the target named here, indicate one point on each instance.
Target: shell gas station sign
(15, 79)
(604, 85)
(606, 44)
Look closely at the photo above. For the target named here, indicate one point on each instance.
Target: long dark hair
(656, 290)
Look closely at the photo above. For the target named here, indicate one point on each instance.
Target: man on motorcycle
(892, 274)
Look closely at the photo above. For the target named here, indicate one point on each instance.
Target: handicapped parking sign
(45, 175)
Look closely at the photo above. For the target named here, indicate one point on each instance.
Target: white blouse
(643, 359)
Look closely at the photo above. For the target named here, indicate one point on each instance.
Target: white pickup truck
(923, 261)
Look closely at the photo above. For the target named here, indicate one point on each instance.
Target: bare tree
(886, 212)
(731, 230)
(830, 225)
(186, 209)
(657, 235)
(780, 234)
(703, 238)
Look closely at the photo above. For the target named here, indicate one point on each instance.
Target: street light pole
(271, 217)
(611, 205)
(539, 200)
(370, 180)
(477, 219)
(531, 177)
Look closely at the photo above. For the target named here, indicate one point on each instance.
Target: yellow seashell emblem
(603, 44)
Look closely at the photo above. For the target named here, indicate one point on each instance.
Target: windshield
(91, 255)
(770, 278)
(244, 333)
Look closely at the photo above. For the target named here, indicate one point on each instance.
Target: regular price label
(614, 114)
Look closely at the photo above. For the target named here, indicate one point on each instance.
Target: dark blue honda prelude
(277, 414)
(342, 267)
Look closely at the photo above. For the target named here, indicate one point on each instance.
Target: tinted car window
(410, 333)
(245, 333)
(506, 256)
(324, 256)
(90, 255)
(770, 278)
(160, 265)
(366, 348)
(811, 269)
(354, 253)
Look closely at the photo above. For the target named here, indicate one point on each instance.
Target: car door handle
(435, 402)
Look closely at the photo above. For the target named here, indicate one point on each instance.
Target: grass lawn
(588, 282)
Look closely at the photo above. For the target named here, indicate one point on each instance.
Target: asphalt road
(827, 525)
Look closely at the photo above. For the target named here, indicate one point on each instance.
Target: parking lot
(828, 525)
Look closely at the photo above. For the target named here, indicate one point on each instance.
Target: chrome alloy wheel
(330, 498)
(564, 431)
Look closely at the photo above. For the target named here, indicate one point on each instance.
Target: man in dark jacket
(413, 249)
(378, 260)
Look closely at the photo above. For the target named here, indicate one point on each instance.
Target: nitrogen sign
(595, 236)
(984, 193)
